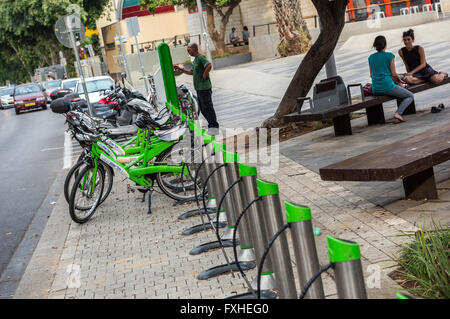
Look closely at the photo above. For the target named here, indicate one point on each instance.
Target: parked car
(29, 96)
(96, 86)
(6, 96)
(69, 83)
(50, 87)
(67, 86)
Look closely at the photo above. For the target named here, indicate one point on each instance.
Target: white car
(69, 83)
(6, 95)
(96, 87)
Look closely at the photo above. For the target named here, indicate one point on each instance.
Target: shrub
(424, 263)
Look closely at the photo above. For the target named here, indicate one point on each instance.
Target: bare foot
(399, 117)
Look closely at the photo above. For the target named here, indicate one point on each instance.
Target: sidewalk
(124, 253)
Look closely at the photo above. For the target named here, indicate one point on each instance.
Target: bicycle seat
(172, 134)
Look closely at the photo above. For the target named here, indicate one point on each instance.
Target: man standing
(202, 84)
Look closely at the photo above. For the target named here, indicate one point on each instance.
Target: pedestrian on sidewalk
(202, 84)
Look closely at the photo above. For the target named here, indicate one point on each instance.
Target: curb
(40, 272)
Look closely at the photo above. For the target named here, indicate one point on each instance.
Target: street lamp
(122, 49)
(204, 30)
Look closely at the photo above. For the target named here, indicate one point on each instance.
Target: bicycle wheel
(75, 170)
(86, 194)
(178, 187)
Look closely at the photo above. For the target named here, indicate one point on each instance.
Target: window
(28, 89)
(96, 86)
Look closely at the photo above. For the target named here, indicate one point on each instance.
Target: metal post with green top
(210, 166)
(246, 252)
(304, 246)
(224, 157)
(346, 257)
(279, 253)
(256, 224)
(165, 60)
(202, 141)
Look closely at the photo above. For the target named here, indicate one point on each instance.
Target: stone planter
(232, 60)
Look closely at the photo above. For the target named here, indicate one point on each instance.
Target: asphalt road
(31, 155)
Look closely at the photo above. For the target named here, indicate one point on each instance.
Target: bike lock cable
(313, 278)
(195, 178)
(222, 199)
(266, 251)
(234, 243)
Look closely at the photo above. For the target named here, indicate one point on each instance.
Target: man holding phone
(202, 84)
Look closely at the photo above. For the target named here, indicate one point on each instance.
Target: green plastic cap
(266, 188)
(245, 170)
(297, 213)
(208, 139)
(342, 250)
(229, 157)
(219, 147)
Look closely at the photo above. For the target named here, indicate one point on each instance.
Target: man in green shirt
(202, 83)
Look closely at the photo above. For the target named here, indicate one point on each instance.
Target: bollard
(256, 229)
(204, 140)
(216, 187)
(246, 252)
(346, 257)
(228, 203)
(304, 248)
(255, 222)
(279, 254)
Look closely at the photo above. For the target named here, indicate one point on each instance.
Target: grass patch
(424, 263)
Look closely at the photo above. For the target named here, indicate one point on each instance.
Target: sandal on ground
(441, 106)
(435, 109)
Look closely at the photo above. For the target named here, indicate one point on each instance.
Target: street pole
(204, 30)
(80, 70)
(142, 65)
(330, 65)
(122, 49)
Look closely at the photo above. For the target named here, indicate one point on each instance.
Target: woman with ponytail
(413, 57)
(382, 72)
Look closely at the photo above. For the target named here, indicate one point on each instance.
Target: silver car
(6, 96)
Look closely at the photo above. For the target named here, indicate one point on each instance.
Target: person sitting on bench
(382, 70)
(416, 65)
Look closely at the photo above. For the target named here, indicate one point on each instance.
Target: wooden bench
(238, 43)
(373, 105)
(411, 160)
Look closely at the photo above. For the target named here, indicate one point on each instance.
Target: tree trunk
(218, 37)
(332, 15)
(20, 58)
(294, 34)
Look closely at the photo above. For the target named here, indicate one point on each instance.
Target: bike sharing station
(232, 198)
(250, 212)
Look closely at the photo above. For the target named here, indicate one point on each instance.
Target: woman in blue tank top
(382, 70)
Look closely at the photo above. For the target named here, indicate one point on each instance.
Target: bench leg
(421, 185)
(375, 114)
(411, 109)
(342, 125)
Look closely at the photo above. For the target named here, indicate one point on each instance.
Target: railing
(268, 25)
(176, 41)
